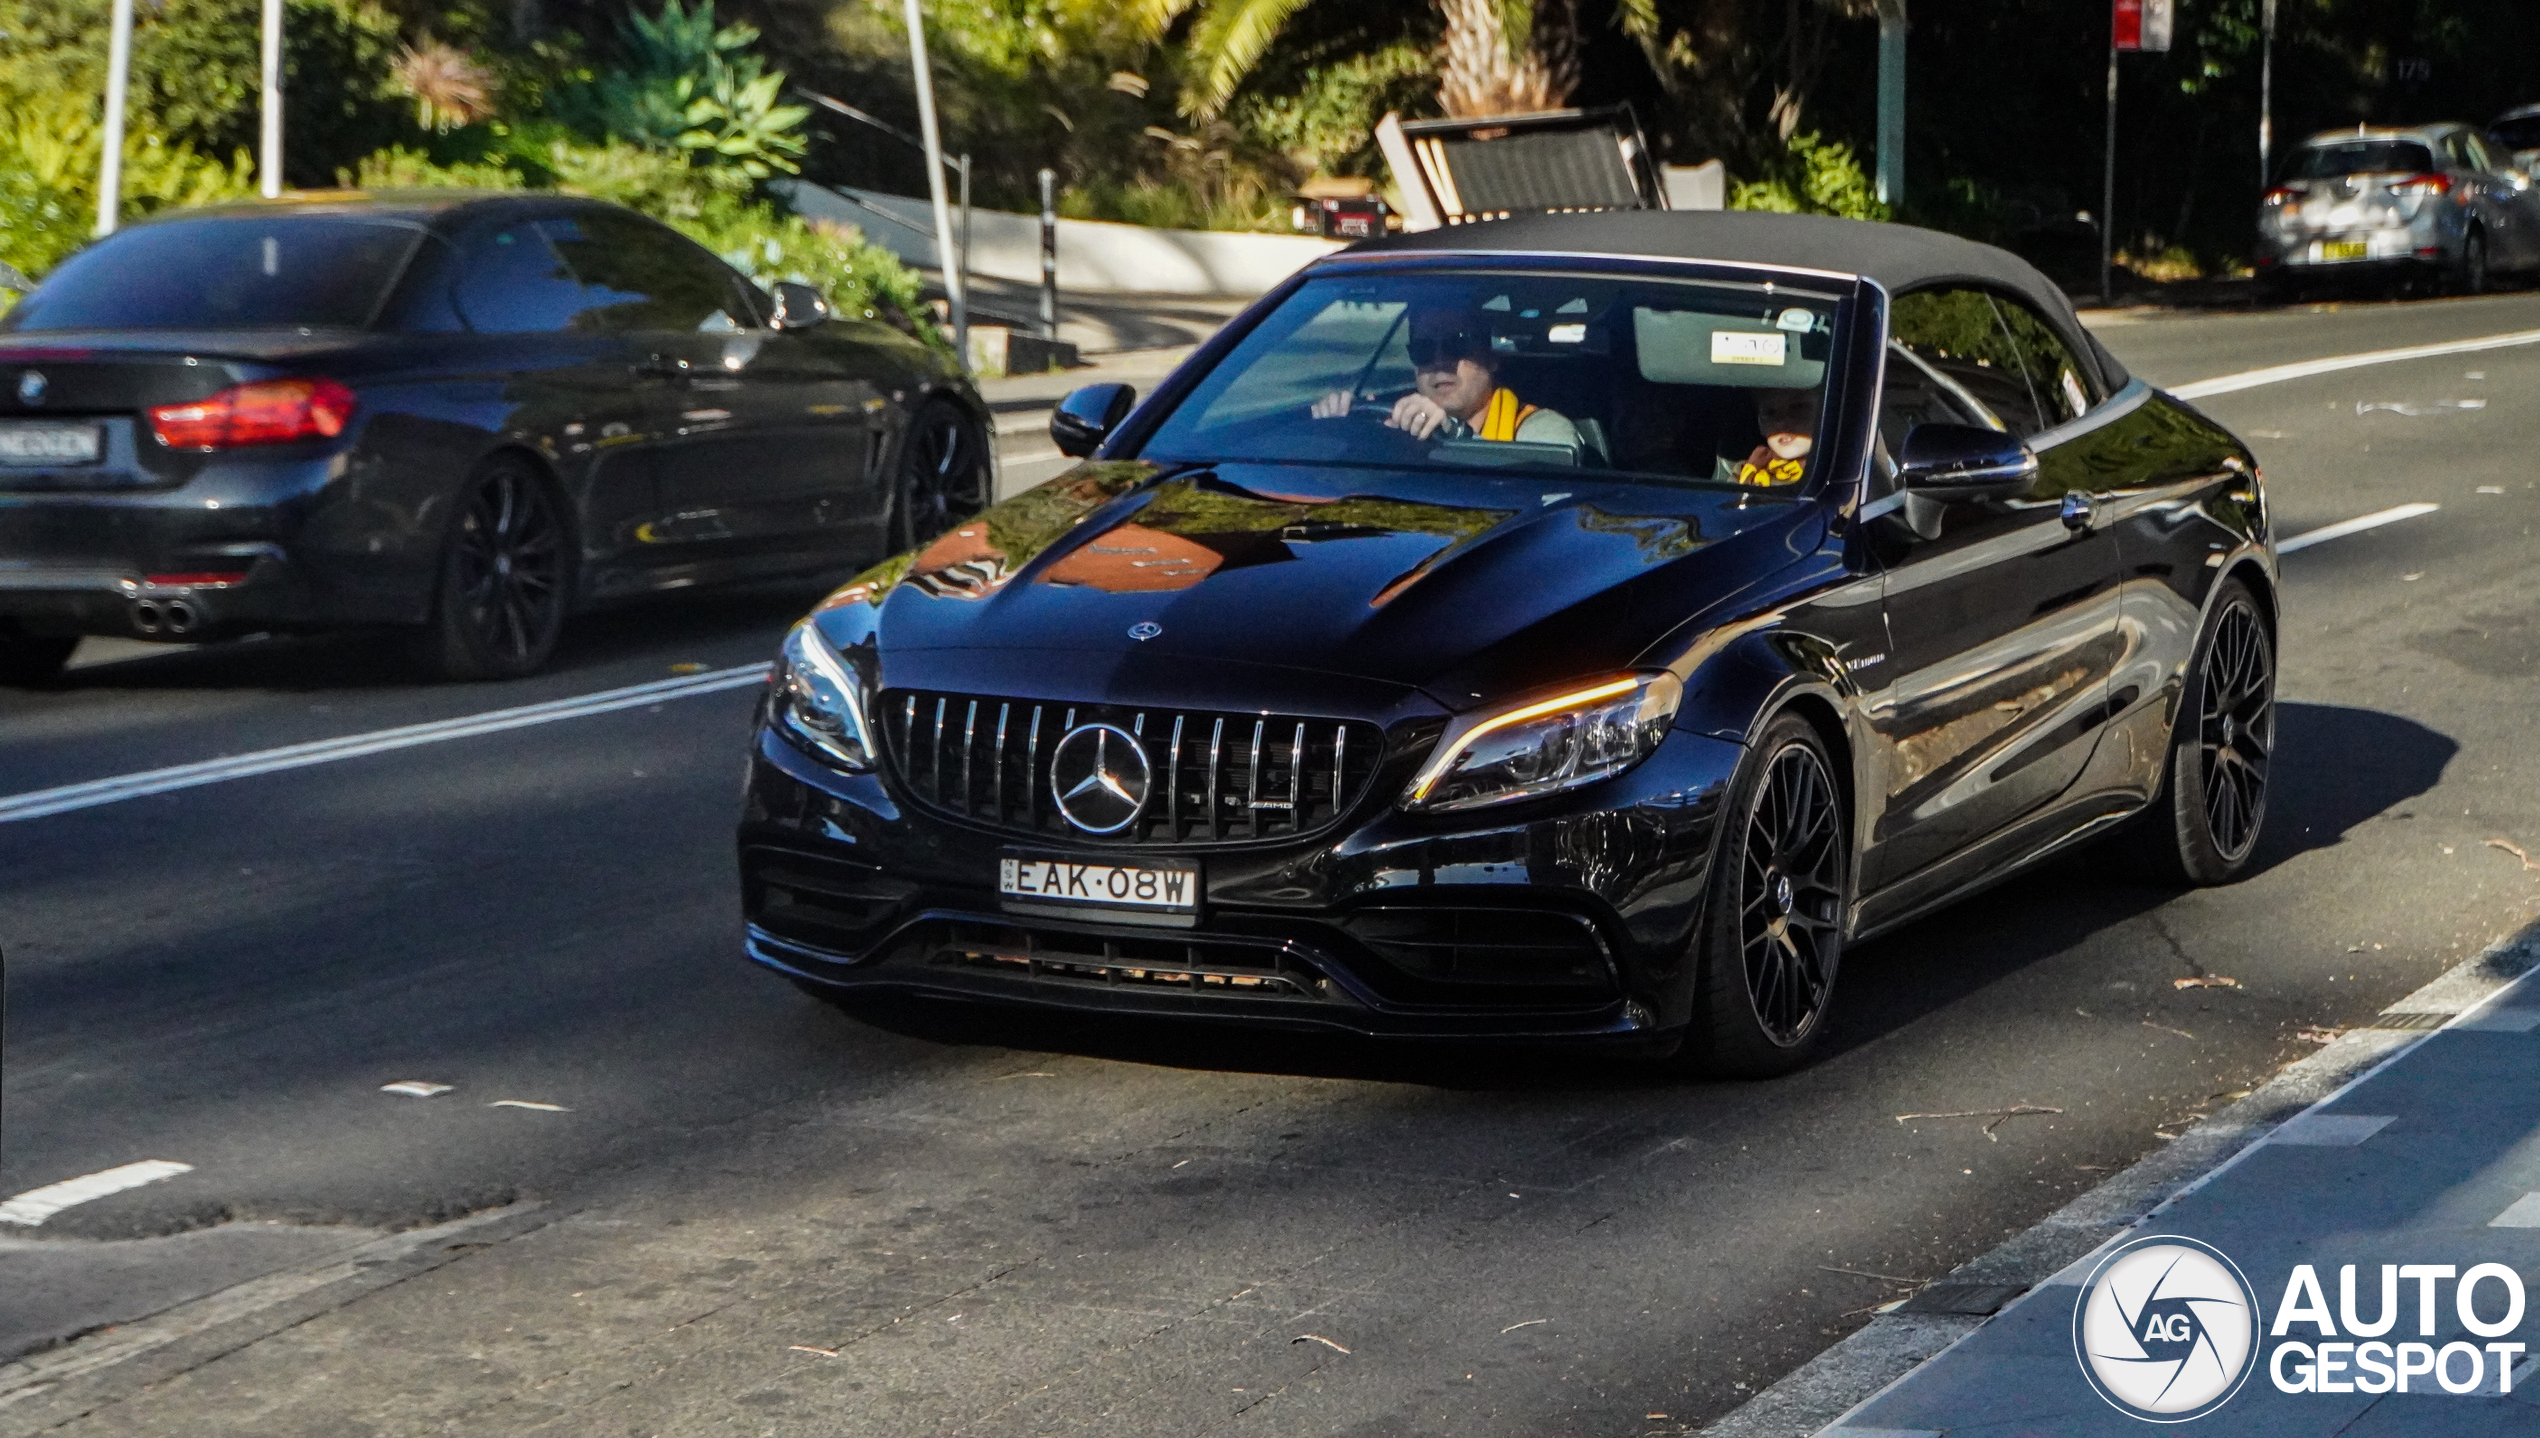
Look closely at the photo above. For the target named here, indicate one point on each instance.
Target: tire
(506, 580)
(1772, 937)
(2471, 276)
(941, 478)
(2203, 827)
(30, 659)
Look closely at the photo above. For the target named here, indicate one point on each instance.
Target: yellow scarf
(1504, 413)
(1775, 470)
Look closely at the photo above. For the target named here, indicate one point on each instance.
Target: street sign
(2145, 25)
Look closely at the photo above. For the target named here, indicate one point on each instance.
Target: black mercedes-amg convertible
(1573, 627)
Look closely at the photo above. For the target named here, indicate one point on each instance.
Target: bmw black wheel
(2204, 827)
(1773, 934)
(506, 577)
(943, 475)
(32, 658)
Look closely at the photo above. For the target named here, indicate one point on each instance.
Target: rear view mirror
(1087, 417)
(1961, 461)
(798, 306)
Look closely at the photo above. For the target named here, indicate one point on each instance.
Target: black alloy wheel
(1773, 934)
(506, 577)
(943, 475)
(32, 658)
(2204, 827)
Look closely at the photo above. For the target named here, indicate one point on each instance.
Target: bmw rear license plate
(33, 445)
(1031, 880)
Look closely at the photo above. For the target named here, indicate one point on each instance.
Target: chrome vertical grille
(1217, 778)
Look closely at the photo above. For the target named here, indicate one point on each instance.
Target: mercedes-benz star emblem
(1145, 629)
(31, 387)
(1100, 778)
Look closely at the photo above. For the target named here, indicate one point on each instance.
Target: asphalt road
(745, 1212)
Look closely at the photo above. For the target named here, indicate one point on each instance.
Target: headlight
(819, 700)
(1559, 743)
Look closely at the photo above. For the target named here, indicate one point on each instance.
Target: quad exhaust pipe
(172, 617)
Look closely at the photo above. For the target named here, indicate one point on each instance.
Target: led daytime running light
(1448, 754)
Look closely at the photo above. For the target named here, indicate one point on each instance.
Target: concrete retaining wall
(1092, 254)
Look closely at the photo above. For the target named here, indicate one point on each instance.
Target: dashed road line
(2278, 374)
(38, 803)
(38, 1204)
(2345, 527)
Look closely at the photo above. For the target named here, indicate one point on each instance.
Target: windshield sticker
(1739, 347)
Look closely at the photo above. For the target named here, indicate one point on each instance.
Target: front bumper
(1565, 918)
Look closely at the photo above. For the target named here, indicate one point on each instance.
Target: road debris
(1998, 1115)
(1529, 1323)
(2510, 847)
(2206, 981)
(2491, 489)
(807, 1348)
(529, 1104)
(1318, 1338)
(2317, 1035)
(1881, 1277)
(2412, 578)
(2165, 1028)
(414, 1088)
(1029, 1073)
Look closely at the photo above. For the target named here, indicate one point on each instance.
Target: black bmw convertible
(1571, 627)
(466, 416)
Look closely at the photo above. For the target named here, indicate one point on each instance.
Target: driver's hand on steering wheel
(1333, 405)
(1416, 414)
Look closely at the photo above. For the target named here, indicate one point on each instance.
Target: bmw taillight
(270, 411)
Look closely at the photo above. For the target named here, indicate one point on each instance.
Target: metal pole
(270, 161)
(118, 82)
(2108, 188)
(2266, 103)
(945, 257)
(1891, 179)
(961, 296)
(1049, 254)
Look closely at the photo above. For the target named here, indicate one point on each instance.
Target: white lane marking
(2278, 374)
(414, 1088)
(40, 802)
(38, 1204)
(2328, 532)
(529, 1104)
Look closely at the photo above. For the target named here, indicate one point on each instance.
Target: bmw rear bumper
(1566, 918)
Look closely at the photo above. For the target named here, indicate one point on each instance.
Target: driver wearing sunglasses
(1456, 392)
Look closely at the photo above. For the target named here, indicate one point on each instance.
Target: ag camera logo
(2166, 1329)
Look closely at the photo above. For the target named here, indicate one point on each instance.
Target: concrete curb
(1816, 1397)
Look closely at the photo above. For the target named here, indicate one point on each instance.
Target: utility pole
(2266, 102)
(270, 161)
(2138, 25)
(118, 83)
(947, 258)
(1891, 158)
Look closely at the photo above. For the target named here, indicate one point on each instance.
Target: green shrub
(1815, 177)
(50, 152)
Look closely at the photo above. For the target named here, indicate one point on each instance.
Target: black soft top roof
(1899, 257)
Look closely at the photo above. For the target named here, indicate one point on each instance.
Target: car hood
(1469, 586)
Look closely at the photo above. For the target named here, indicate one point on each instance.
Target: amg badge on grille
(1100, 778)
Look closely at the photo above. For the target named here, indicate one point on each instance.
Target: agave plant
(447, 85)
(688, 84)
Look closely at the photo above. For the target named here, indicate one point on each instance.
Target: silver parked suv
(2434, 201)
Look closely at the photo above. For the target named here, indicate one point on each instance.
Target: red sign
(2144, 24)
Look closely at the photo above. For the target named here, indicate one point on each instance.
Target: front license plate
(2343, 249)
(1109, 886)
(34, 445)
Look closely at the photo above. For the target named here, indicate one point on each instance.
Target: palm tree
(1484, 69)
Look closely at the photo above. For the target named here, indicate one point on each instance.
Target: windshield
(1691, 381)
(2358, 157)
(2520, 133)
(262, 271)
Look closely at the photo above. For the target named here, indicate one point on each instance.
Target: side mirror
(798, 307)
(1961, 461)
(1087, 417)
